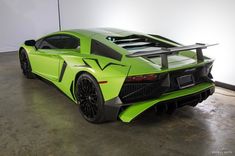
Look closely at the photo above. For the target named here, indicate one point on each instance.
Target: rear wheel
(25, 65)
(90, 99)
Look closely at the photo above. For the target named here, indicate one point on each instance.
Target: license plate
(185, 81)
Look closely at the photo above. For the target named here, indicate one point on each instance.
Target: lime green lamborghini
(116, 74)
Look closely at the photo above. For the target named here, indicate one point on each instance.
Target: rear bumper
(114, 108)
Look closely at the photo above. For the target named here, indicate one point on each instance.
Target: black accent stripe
(86, 63)
(97, 62)
(71, 90)
(225, 85)
(62, 71)
(83, 65)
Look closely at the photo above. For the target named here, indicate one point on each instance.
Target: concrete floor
(36, 119)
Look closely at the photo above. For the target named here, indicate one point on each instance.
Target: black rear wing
(164, 52)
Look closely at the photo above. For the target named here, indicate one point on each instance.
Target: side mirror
(30, 42)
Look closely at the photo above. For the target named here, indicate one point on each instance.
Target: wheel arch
(29, 75)
(80, 73)
(25, 49)
(76, 78)
(20, 51)
(21, 48)
(106, 74)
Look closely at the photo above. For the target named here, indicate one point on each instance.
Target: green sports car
(116, 74)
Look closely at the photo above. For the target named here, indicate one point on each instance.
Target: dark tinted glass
(60, 42)
(38, 43)
(99, 48)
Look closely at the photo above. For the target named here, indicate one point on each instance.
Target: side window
(99, 48)
(38, 43)
(60, 42)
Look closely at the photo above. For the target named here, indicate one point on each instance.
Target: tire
(89, 98)
(25, 65)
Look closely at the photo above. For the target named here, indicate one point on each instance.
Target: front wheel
(25, 64)
(89, 98)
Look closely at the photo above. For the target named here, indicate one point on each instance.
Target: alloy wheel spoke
(87, 97)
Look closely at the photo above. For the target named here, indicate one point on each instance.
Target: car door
(46, 59)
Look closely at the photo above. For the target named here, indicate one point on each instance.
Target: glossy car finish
(63, 66)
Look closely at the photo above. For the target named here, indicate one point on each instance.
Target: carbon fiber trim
(62, 71)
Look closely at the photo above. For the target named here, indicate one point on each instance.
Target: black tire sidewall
(28, 73)
(100, 101)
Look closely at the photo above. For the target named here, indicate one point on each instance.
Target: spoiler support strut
(164, 52)
(200, 57)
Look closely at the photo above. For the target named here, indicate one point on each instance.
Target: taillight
(142, 78)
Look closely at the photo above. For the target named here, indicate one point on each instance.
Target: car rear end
(185, 81)
(149, 86)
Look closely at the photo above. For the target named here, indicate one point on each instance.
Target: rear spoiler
(163, 52)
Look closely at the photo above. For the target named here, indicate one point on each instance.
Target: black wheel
(25, 64)
(90, 99)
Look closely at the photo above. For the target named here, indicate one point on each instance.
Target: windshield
(136, 43)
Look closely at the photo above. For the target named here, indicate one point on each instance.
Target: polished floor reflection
(36, 119)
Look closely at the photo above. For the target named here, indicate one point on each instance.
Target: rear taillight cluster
(142, 78)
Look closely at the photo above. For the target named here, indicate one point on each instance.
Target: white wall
(25, 19)
(186, 21)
